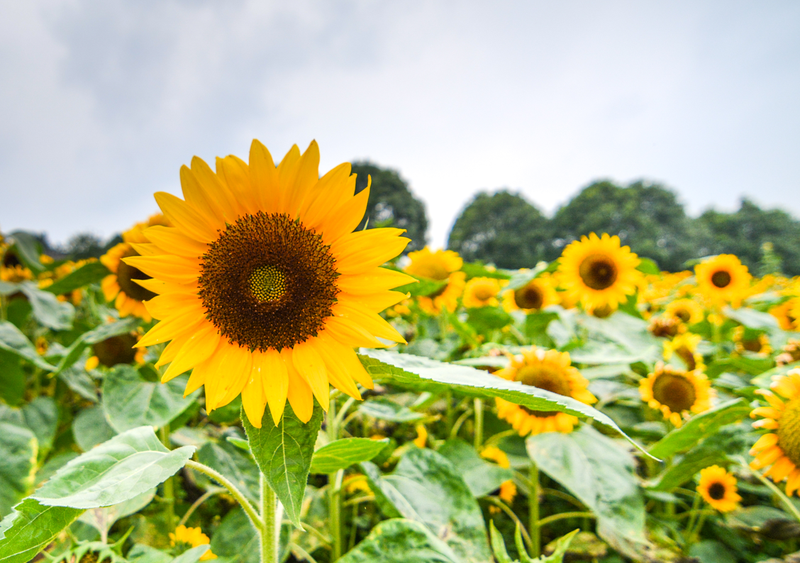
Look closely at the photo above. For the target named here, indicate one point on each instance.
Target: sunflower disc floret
(676, 393)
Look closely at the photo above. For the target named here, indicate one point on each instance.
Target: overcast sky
(102, 101)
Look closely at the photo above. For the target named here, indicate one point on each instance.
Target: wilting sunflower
(549, 370)
(676, 393)
(191, 537)
(481, 292)
(533, 296)
(751, 341)
(685, 347)
(436, 265)
(598, 272)
(780, 450)
(686, 310)
(264, 288)
(122, 285)
(718, 488)
(723, 279)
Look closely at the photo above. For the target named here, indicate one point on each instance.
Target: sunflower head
(754, 342)
(688, 311)
(779, 450)
(723, 279)
(549, 370)
(15, 273)
(787, 313)
(481, 292)
(263, 285)
(790, 353)
(436, 265)
(191, 537)
(446, 299)
(665, 326)
(685, 347)
(533, 296)
(676, 393)
(718, 488)
(598, 272)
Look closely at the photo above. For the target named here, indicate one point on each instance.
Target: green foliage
(502, 229)
(481, 476)
(341, 454)
(391, 203)
(386, 409)
(401, 540)
(234, 464)
(17, 464)
(93, 272)
(30, 528)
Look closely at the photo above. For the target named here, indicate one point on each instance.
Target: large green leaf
(12, 378)
(27, 249)
(422, 287)
(341, 454)
(116, 471)
(522, 278)
(91, 428)
(89, 273)
(17, 464)
(94, 336)
(401, 541)
(427, 488)
(47, 309)
(481, 476)
(76, 378)
(699, 427)
(129, 400)
(235, 464)
(102, 519)
(752, 318)
(384, 408)
(283, 454)
(599, 472)
(423, 374)
(41, 416)
(30, 528)
(12, 340)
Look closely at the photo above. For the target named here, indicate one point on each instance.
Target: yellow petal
(172, 304)
(170, 328)
(171, 350)
(233, 171)
(287, 172)
(183, 216)
(311, 367)
(379, 279)
(237, 373)
(299, 393)
(168, 268)
(341, 372)
(356, 315)
(216, 189)
(350, 334)
(264, 177)
(307, 177)
(197, 379)
(361, 251)
(198, 198)
(253, 401)
(198, 348)
(333, 188)
(375, 302)
(345, 218)
(275, 381)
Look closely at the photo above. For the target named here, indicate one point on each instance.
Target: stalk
(533, 511)
(269, 524)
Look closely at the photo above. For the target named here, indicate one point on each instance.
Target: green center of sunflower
(598, 271)
(126, 275)
(789, 431)
(529, 297)
(721, 279)
(716, 491)
(268, 282)
(675, 391)
(116, 350)
(544, 377)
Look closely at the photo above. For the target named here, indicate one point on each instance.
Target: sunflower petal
(183, 216)
(311, 367)
(274, 380)
(198, 348)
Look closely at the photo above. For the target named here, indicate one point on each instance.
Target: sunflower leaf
(47, 309)
(87, 274)
(422, 374)
(12, 340)
(401, 541)
(341, 454)
(283, 454)
(17, 464)
(31, 528)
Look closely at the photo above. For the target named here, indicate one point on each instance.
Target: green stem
(269, 524)
(776, 491)
(450, 414)
(692, 519)
(235, 493)
(2, 307)
(207, 495)
(564, 516)
(533, 511)
(478, 423)
(514, 518)
(169, 484)
(335, 501)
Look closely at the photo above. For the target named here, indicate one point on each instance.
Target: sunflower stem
(235, 493)
(692, 519)
(269, 525)
(776, 491)
(533, 511)
(335, 488)
(478, 423)
(169, 484)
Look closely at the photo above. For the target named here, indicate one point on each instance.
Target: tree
(84, 245)
(646, 217)
(391, 203)
(503, 229)
(744, 233)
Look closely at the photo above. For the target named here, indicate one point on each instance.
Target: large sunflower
(549, 370)
(780, 450)
(723, 279)
(264, 288)
(718, 488)
(598, 272)
(676, 393)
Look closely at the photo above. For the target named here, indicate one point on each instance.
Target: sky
(102, 101)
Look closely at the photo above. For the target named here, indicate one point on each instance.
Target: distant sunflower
(718, 488)
(751, 341)
(676, 393)
(549, 370)
(436, 265)
(446, 299)
(790, 353)
(598, 272)
(665, 326)
(191, 537)
(264, 288)
(684, 346)
(15, 273)
(786, 313)
(686, 310)
(116, 350)
(508, 490)
(122, 286)
(481, 292)
(780, 450)
(533, 296)
(723, 279)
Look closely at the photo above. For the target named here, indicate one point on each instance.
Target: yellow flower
(723, 279)
(598, 272)
(534, 296)
(688, 311)
(685, 347)
(481, 292)
(786, 313)
(447, 298)
(264, 288)
(15, 274)
(780, 450)
(42, 345)
(676, 393)
(758, 345)
(790, 353)
(495, 454)
(665, 326)
(193, 537)
(433, 265)
(422, 436)
(549, 370)
(718, 488)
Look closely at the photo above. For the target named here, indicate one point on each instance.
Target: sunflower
(433, 265)
(481, 292)
(665, 326)
(686, 310)
(508, 490)
(549, 370)
(786, 313)
(676, 393)
(122, 285)
(116, 350)
(718, 488)
(598, 272)
(446, 299)
(264, 288)
(780, 450)
(685, 347)
(16, 273)
(751, 341)
(533, 296)
(723, 279)
(192, 537)
(790, 353)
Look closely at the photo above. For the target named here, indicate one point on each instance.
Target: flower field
(246, 377)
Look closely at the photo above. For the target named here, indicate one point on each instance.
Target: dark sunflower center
(546, 378)
(687, 356)
(683, 314)
(529, 297)
(721, 279)
(116, 350)
(598, 272)
(789, 431)
(752, 344)
(674, 391)
(125, 276)
(268, 282)
(716, 491)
